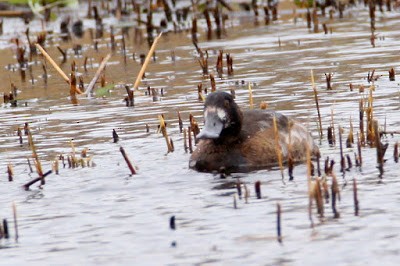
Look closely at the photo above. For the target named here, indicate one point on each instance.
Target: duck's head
(222, 117)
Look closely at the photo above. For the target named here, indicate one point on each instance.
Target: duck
(233, 140)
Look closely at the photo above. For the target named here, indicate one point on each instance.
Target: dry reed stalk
(361, 122)
(63, 53)
(239, 188)
(200, 93)
(331, 136)
(97, 75)
(325, 189)
(316, 102)
(392, 74)
(14, 207)
(185, 146)
(146, 62)
(16, 13)
(128, 162)
(194, 126)
(219, 65)
(290, 157)
(315, 19)
(309, 185)
(257, 187)
(172, 224)
(355, 197)
(35, 157)
(19, 134)
(278, 222)
(328, 78)
(370, 119)
(56, 166)
(380, 148)
(180, 122)
(163, 130)
(234, 201)
(335, 195)
(267, 15)
(115, 136)
(190, 139)
(54, 64)
(318, 197)
(229, 64)
(6, 233)
(350, 137)
(10, 172)
(278, 148)
(194, 30)
(342, 160)
(212, 80)
(396, 152)
(250, 96)
(246, 194)
(209, 25)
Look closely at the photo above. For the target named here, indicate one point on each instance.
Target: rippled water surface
(101, 214)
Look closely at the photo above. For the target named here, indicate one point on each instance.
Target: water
(103, 215)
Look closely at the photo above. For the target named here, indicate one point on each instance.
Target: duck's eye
(226, 104)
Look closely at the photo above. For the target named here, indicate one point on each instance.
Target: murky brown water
(101, 214)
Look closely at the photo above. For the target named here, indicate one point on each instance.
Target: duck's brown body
(233, 141)
(255, 146)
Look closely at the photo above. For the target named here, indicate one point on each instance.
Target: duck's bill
(212, 128)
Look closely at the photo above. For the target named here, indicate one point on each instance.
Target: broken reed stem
(278, 149)
(355, 197)
(54, 64)
(316, 102)
(278, 222)
(146, 62)
(27, 185)
(97, 75)
(128, 162)
(163, 130)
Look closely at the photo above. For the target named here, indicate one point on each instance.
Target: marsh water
(103, 215)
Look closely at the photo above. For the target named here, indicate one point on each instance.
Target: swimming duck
(236, 141)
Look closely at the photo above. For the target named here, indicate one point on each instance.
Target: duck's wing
(259, 120)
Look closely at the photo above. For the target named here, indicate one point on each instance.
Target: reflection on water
(102, 215)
